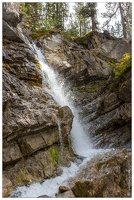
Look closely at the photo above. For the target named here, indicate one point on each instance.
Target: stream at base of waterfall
(81, 142)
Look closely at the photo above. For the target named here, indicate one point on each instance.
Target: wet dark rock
(43, 196)
(67, 194)
(10, 33)
(79, 160)
(63, 189)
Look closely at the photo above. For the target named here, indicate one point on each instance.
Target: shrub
(121, 65)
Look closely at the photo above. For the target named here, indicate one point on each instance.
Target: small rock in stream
(44, 196)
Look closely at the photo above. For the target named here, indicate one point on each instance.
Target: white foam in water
(80, 140)
(50, 186)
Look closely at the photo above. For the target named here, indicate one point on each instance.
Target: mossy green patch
(82, 189)
(38, 65)
(90, 87)
(55, 156)
(68, 37)
(33, 83)
(121, 65)
(20, 177)
(83, 39)
(43, 32)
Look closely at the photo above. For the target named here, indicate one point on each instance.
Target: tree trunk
(93, 22)
(80, 28)
(122, 21)
(57, 15)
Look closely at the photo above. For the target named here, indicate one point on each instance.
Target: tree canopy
(80, 18)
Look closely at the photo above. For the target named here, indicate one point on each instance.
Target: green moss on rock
(21, 178)
(38, 65)
(90, 87)
(55, 156)
(43, 32)
(33, 83)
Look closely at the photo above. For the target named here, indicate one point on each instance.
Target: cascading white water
(61, 139)
(81, 142)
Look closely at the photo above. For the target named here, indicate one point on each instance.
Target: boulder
(63, 189)
(11, 13)
(7, 186)
(10, 33)
(107, 175)
(44, 196)
(67, 194)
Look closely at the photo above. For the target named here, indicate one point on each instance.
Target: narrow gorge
(66, 116)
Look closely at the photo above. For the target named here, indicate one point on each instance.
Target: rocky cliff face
(106, 175)
(31, 144)
(105, 103)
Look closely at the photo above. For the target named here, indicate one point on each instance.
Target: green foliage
(38, 65)
(84, 39)
(68, 36)
(89, 10)
(82, 23)
(32, 14)
(43, 32)
(55, 15)
(123, 27)
(122, 64)
(90, 87)
(20, 177)
(55, 157)
(33, 83)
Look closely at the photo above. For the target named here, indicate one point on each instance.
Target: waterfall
(61, 139)
(80, 140)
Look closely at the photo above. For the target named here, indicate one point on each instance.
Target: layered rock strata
(31, 143)
(31, 140)
(105, 102)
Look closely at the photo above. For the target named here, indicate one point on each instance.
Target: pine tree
(55, 15)
(122, 9)
(89, 11)
(81, 19)
(45, 15)
(73, 26)
(32, 14)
